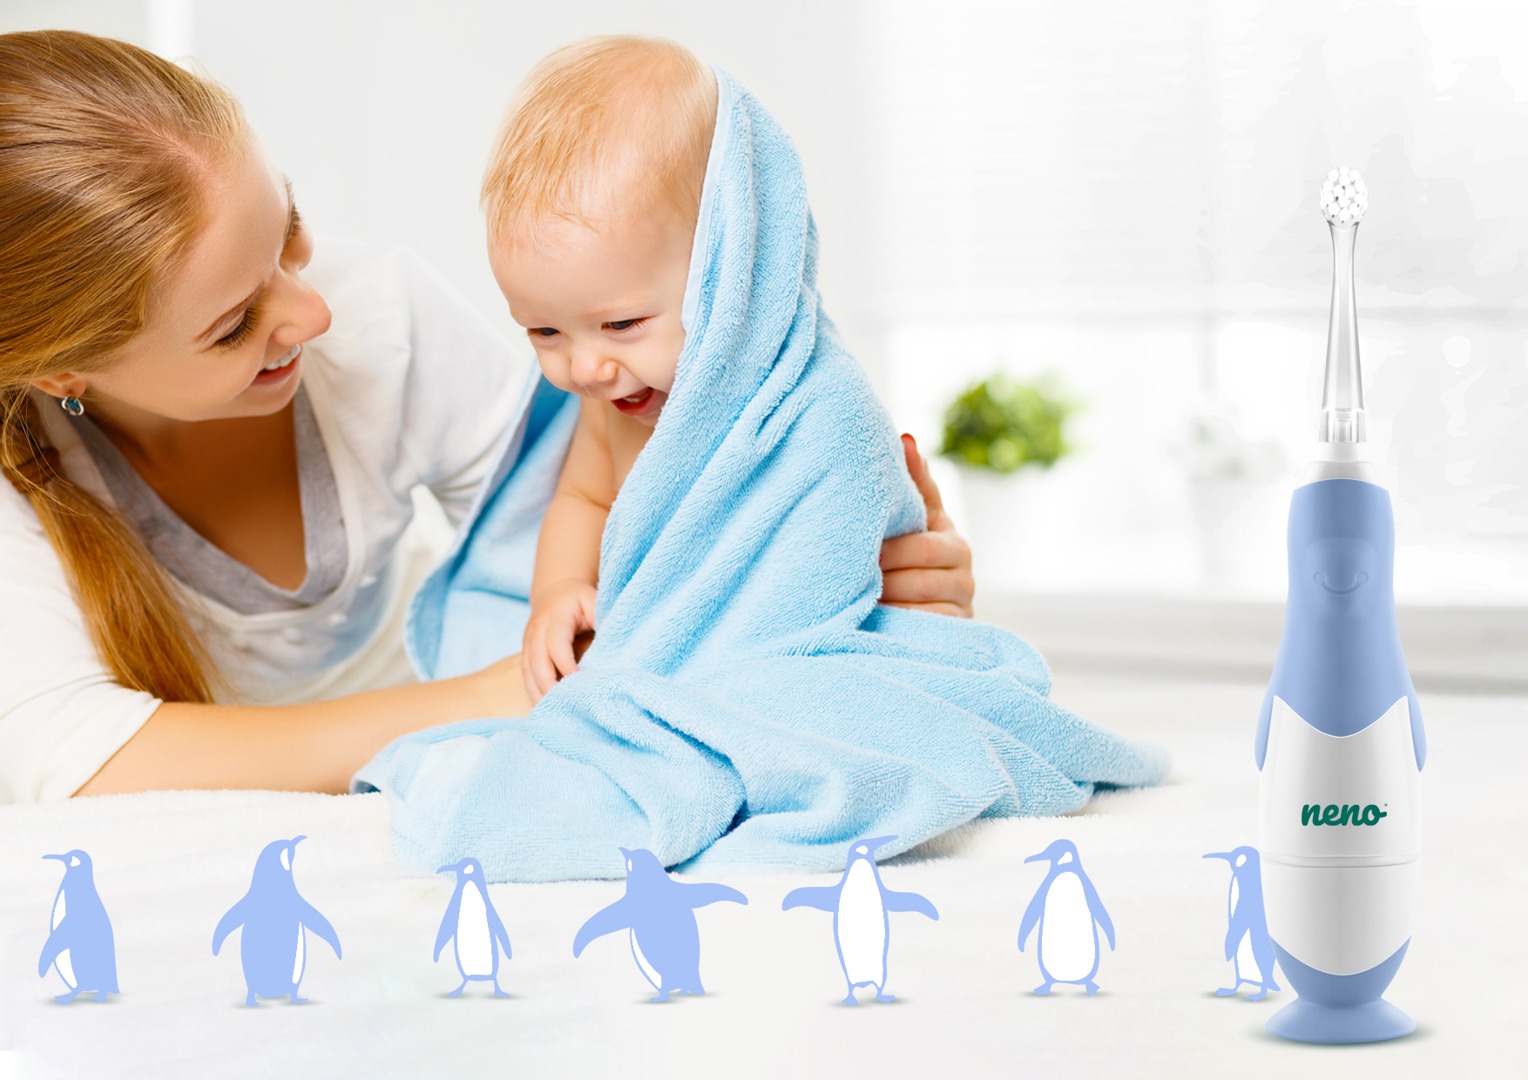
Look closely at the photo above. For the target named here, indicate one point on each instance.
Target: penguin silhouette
(659, 912)
(474, 925)
(80, 945)
(860, 903)
(1067, 910)
(273, 946)
(1248, 945)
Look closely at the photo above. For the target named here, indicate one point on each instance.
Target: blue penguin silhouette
(660, 914)
(80, 945)
(474, 925)
(1248, 946)
(860, 903)
(275, 918)
(1068, 912)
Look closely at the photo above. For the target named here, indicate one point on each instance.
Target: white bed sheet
(169, 865)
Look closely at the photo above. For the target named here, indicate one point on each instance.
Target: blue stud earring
(73, 406)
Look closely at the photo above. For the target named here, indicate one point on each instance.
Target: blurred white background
(1124, 194)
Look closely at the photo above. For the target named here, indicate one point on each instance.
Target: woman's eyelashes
(235, 337)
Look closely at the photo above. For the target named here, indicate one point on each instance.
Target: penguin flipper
(1233, 938)
(821, 897)
(55, 944)
(448, 923)
(700, 893)
(1031, 916)
(1096, 906)
(231, 921)
(495, 927)
(310, 917)
(605, 921)
(908, 901)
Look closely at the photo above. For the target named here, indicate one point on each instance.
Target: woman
(213, 454)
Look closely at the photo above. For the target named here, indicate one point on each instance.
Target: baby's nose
(590, 370)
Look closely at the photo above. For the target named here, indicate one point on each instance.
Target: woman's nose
(305, 313)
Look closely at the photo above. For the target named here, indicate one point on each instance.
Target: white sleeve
(62, 716)
(465, 379)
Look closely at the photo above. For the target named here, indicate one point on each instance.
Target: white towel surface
(168, 866)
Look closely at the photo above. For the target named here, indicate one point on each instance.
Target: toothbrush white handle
(1341, 827)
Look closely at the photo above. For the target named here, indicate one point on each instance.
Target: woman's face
(224, 333)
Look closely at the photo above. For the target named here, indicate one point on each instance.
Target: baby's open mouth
(636, 404)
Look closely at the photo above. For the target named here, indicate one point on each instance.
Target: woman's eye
(236, 336)
(623, 324)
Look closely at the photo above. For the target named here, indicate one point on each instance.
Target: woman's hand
(928, 571)
(562, 611)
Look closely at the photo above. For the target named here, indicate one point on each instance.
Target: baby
(592, 195)
(755, 695)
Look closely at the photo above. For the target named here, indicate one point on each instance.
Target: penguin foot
(250, 999)
(1259, 996)
(499, 993)
(885, 997)
(458, 991)
(851, 999)
(1091, 987)
(662, 996)
(1044, 990)
(298, 1000)
(1225, 991)
(100, 995)
(64, 999)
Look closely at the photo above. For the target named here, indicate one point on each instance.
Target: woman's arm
(928, 571)
(313, 747)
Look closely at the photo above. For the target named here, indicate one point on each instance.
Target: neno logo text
(1333, 814)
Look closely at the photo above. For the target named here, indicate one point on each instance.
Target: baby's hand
(563, 610)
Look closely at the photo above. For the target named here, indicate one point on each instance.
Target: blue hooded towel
(746, 700)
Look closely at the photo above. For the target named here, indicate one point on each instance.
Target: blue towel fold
(746, 700)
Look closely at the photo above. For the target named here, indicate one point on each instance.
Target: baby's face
(601, 306)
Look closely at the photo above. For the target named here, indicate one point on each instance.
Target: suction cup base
(1310, 1022)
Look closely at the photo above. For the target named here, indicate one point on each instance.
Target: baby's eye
(543, 331)
(623, 324)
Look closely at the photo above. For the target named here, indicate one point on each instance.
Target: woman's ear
(65, 385)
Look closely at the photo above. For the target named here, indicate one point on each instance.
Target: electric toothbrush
(1340, 742)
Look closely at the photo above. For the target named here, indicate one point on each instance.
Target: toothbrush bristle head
(1344, 197)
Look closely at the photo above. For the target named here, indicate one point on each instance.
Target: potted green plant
(1005, 435)
(1002, 425)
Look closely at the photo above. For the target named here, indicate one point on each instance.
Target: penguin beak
(878, 842)
(1226, 855)
(453, 868)
(1052, 854)
(61, 858)
(624, 853)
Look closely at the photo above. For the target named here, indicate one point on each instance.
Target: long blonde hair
(104, 149)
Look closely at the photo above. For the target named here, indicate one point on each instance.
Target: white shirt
(411, 386)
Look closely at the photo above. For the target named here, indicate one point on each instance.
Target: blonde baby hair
(104, 151)
(606, 124)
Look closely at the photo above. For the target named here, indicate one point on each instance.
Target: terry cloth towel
(746, 700)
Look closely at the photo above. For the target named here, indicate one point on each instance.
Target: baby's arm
(568, 554)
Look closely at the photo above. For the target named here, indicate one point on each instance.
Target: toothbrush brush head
(1344, 197)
